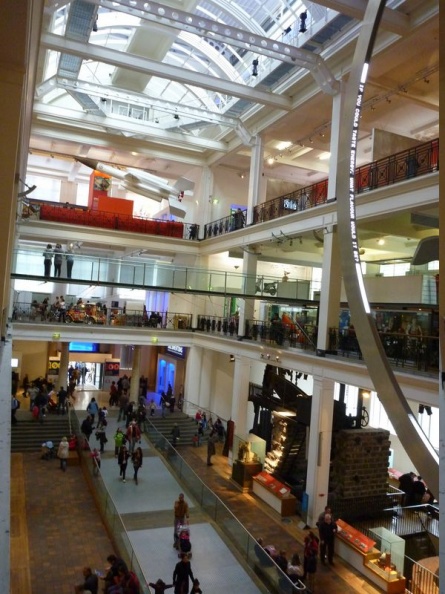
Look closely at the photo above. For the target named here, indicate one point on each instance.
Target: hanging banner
(111, 373)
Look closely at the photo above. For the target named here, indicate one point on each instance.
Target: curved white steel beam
(411, 435)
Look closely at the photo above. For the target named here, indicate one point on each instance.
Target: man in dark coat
(181, 575)
(328, 530)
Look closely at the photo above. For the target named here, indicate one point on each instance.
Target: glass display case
(249, 449)
(392, 552)
(248, 458)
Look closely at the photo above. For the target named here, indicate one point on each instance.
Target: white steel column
(240, 395)
(319, 452)
(330, 289)
(198, 388)
(203, 212)
(256, 184)
(62, 380)
(247, 305)
(135, 374)
(331, 271)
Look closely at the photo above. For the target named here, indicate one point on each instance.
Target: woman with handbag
(310, 559)
(137, 463)
(122, 460)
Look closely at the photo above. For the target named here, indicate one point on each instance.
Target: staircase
(28, 435)
(187, 427)
(419, 546)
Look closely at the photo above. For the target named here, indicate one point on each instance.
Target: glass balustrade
(152, 275)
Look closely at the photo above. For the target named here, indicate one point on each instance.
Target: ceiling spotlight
(426, 80)
(303, 17)
(270, 160)
(95, 29)
(305, 376)
(277, 359)
(255, 67)
(421, 409)
(176, 117)
(232, 358)
(286, 31)
(380, 241)
(428, 410)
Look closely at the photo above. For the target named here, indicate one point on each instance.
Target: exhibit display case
(275, 494)
(249, 453)
(392, 549)
(377, 564)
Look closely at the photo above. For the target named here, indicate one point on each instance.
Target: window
(394, 269)
(430, 425)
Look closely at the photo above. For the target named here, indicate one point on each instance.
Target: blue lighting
(84, 347)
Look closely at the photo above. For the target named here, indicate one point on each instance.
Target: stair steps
(28, 434)
(187, 427)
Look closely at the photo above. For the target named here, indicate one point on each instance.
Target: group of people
(118, 579)
(43, 398)
(414, 489)
(314, 548)
(168, 401)
(58, 254)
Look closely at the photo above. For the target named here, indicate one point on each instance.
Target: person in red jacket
(310, 559)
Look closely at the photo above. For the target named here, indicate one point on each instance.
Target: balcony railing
(134, 272)
(402, 350)
(407, 164)
(79, 215)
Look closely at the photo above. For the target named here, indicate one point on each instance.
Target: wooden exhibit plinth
(242, 473)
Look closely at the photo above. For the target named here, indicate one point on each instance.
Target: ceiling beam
(135, 63)
(126, 127)
(52, 131)
(227, 34)
(393, 21)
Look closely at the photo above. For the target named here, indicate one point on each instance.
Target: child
(195, 588)
(160, 587)
(95, 456)
(119, 440)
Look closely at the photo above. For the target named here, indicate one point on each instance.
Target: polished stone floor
(65, 531)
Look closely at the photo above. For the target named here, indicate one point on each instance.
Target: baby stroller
(184, 544)
(47, 451)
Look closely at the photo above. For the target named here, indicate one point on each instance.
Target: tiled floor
(65, 530)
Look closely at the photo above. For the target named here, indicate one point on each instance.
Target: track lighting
(424, 408)
(255, 67)
(303, 17)
(286, 31)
